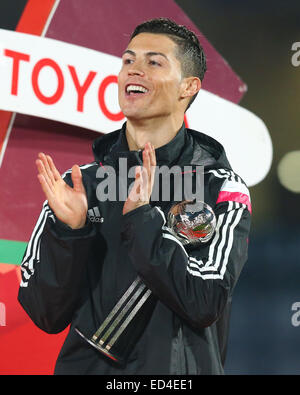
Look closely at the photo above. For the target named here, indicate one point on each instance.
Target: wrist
(72, 226)
(78, 226)
(127, 209)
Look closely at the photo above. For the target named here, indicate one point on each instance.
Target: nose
(136, 69)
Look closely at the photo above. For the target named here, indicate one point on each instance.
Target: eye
(154, 63)
(127, 61)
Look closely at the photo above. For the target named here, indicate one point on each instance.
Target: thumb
(77, 179)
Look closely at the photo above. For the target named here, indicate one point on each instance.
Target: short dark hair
(190, 52)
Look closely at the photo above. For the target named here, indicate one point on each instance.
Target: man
(85, 252)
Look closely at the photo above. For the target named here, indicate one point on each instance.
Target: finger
(44, 160)
(53, 168)
(134, 193)
(77, 179)
(45, 187)
(152, 155)
(146, 159)
(42, 171)
(153, 166)
(150, 164)
(144, 191)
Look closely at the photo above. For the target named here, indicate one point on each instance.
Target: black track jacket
(75, 277)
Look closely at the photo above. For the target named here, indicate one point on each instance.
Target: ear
(190, 86)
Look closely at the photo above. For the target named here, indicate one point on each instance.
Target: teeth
(135, 88)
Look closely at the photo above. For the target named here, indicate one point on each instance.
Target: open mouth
(135, 90)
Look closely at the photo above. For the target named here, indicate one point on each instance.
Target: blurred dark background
(256, 39)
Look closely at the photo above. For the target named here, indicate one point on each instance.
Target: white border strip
(52, 12)
(8, 131)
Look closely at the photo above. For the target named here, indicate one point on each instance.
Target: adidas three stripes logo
(94, 215)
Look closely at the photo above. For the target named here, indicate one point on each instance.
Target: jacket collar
(168, 154)
(188, 147)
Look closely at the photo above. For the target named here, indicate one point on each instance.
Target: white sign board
(76, 85)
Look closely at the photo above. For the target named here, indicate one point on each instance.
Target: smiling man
(156, 70)
(112, 269)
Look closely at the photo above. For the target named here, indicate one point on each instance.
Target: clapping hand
(69, 204)
(144, 179)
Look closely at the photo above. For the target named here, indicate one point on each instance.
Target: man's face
(150, 78)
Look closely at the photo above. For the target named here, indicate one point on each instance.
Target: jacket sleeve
(52, 271)
(197, 285)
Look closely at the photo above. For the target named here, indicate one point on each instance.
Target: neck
(158, 132)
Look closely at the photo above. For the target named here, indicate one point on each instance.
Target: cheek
(169, 89)
(120, 88)
(120, 79)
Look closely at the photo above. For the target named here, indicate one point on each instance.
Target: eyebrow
(147, 54)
